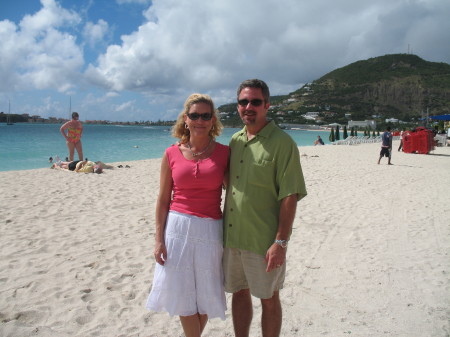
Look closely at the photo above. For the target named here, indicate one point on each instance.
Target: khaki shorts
(247, 270)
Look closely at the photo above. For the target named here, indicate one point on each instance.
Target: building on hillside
(363, 124)
(311, 115)
(391, 120)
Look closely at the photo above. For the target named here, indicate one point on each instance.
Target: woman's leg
(71, 147)
(193, 325)
(79, 148)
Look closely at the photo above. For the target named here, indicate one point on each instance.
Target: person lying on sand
(84, 166)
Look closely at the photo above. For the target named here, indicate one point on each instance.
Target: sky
(138, 60)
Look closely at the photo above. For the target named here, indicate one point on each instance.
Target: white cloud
(204, 46)
(38, 54)
(95, 32)
(125, 106)
(188, 46)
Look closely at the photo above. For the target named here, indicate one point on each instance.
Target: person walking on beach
(386, 145)
(400, 147)
(188, 278)
(266, 182)
(73, 136)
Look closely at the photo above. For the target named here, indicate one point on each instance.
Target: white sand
(369, 255)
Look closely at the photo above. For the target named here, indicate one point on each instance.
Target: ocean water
(26, 146)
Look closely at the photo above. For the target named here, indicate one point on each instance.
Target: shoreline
(368, 254)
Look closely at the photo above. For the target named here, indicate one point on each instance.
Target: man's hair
(388, 128)
(255, 83)
(75, 114)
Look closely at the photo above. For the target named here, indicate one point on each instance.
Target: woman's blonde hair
(180, 131)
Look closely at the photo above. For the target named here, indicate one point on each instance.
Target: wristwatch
(282, 243)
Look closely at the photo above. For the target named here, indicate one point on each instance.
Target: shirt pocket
(262, 173)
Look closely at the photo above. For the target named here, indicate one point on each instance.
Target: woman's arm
(63, 129)
(162, 209)
(80, 165)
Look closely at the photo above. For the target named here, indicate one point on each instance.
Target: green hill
(401, 86)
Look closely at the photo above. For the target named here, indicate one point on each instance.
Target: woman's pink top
(197, 185)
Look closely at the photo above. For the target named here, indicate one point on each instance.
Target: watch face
(282, 243)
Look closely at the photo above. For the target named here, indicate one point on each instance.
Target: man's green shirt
(263, 171)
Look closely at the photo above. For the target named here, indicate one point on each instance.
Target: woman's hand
(160, 253)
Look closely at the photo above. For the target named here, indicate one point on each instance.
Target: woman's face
(199, 119)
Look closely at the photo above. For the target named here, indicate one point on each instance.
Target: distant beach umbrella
(373, 134)
(345, 134)
(337, 133)
(331, 137)
(352, 132)
(356, 132)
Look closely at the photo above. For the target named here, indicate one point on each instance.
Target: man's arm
(276, 255)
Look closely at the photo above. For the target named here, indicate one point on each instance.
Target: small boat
(8, 117)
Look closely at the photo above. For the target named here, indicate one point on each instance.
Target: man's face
(252, 108)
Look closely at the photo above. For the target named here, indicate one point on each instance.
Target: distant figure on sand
(319, 141)
(73, 136)
(400, 147)
(386, 145)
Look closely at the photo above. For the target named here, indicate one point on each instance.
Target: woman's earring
(186, 126)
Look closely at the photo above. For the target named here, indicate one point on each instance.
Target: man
(266, 181)
(386, 145)
(319, 141)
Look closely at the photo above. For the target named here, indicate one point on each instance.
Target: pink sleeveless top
(197, 185)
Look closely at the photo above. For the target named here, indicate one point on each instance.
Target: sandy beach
(369, 254)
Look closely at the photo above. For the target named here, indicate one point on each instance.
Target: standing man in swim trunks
(73, 136)
(386, 145)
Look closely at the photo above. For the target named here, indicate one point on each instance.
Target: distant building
(391, 120)
(363, 124)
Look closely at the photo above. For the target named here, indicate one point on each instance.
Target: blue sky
(138, 60)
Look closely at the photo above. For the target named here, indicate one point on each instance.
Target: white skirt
(191, 280)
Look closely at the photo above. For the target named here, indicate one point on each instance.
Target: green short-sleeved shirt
(263, 171)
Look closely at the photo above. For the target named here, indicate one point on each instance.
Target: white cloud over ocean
(182, 46)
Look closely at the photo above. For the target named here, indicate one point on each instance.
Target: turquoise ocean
(25, 146)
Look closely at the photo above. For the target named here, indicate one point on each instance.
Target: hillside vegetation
(401, 86)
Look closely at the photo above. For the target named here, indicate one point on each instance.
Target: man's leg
(242, 311)
(271, 318)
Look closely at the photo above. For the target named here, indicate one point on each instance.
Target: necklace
(196, 154)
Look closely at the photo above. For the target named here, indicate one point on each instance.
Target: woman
(73, 136)
(188, 279)
(80, 166)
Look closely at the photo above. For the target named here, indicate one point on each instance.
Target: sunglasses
(254, 102)
(194, 116)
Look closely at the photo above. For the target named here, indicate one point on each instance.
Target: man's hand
(275, 257)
